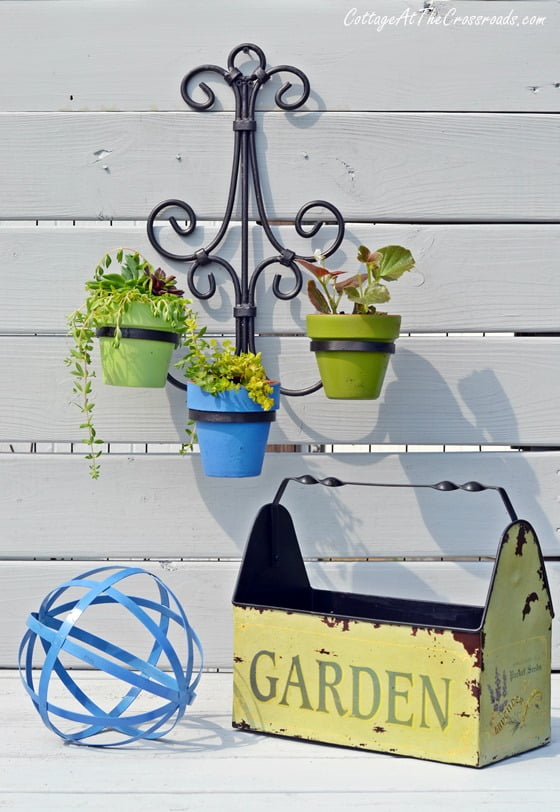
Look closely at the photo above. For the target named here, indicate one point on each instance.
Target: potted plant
(232, 402)
(352, 349)
(140, 317)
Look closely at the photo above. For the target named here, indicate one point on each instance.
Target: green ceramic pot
(350, 370)
(138, 361)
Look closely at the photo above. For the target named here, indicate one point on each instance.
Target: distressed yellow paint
(461, 696)
(515, 698)
(355, 683)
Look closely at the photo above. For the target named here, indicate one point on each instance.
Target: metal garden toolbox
(455, 683)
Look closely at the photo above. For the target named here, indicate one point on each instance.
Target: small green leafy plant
(363, 290)
(110, 294)
(218, 368)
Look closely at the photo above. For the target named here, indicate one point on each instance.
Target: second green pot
(353, 373)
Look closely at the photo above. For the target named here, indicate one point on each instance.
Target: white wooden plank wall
(438, 135)
(450, 290)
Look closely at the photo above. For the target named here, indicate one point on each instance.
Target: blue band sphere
(154, 688)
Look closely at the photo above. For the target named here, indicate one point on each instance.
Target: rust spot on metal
(243, 725)
(324, 651)
(414, 631)
(472, 645)
(464, 714)
(521, 539)
(238, 659)
(474, 688)
(528, 601)
(378, 729)
(332, 622)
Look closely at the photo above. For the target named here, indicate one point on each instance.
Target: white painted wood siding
(133, 55)
(205, 588)
(464, 390)
(442, 137)
(183, 514)
(373, 166)
(475, 278)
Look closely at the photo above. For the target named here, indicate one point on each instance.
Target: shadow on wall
(338, 524)
(483, 395)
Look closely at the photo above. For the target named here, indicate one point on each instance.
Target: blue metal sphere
(162, 694)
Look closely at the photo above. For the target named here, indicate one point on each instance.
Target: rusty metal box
(460, 684)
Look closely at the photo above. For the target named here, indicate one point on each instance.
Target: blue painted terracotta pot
(232, 430)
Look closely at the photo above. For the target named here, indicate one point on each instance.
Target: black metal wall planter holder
(244, 177)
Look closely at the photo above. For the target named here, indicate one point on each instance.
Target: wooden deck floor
(206, 765)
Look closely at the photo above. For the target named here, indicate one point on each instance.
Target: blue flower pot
(232, 430)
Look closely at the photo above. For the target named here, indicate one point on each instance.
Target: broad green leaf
(353, 294)
(111, 280)
(395, 261)
(131, 265)
(375, 294)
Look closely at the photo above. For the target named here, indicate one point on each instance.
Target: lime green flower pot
(138, 361)
(349, 369)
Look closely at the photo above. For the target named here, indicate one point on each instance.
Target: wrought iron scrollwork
(245, 169)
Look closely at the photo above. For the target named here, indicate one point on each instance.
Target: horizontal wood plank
(372, 166)
(205, 590)
(492, 391)
(351, 65)
(502, 272)
(162, 506)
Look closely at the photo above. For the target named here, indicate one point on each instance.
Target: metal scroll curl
(244, 180)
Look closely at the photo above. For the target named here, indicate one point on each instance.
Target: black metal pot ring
(232, 417)
(140, 332)
(353, 346)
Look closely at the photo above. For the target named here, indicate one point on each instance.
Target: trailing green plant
(110, 295)
(363, 290)
(218, 368)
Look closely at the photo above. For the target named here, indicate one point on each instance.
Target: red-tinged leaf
(311, 266)
(316, 298)
(317, 270)
(351, 282)
(372, 258)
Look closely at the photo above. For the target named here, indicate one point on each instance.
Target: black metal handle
(445, 485)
